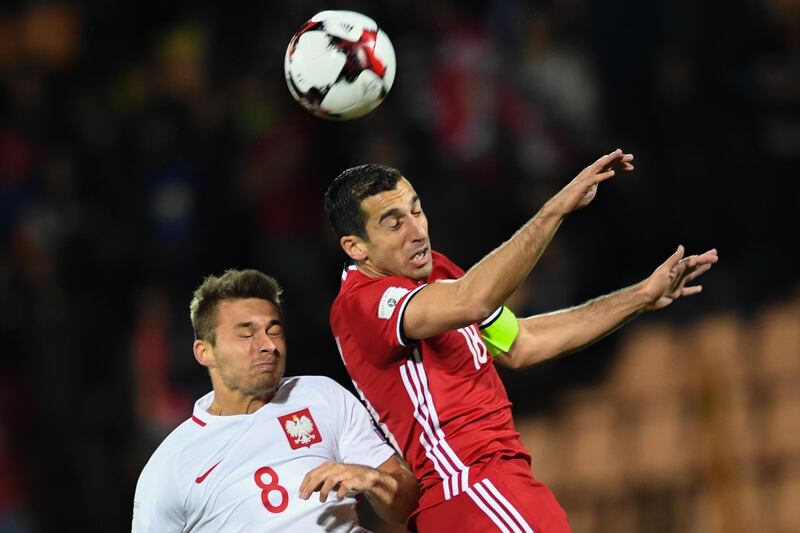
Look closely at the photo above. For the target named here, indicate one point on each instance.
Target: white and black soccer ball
(340, 65)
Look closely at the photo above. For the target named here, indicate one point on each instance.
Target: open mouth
(420, 258)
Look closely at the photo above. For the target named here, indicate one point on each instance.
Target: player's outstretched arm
(391, 488)
(488, 284)
(549, 335)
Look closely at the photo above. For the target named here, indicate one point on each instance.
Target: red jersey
(439, 400)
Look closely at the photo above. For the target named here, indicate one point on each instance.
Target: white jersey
(243, 472)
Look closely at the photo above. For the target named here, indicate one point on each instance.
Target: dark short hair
(232, 285)
(343, 197)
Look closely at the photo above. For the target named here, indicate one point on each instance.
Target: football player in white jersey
(259, 446)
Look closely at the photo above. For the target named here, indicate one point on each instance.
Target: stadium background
(143, 147)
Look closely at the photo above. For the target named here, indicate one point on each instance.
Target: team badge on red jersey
(300, 429)
(389, 301)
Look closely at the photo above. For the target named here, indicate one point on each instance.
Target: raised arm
(549, 335)
(448, 305)
(390, 488)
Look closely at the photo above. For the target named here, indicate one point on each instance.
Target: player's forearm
(550, 335)
(394, 495)
(491, 281)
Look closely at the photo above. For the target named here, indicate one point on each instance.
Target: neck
(368, 269)
(227, 403)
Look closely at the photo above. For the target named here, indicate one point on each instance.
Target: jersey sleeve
(375, 313)
(359, 442)
(156, 504)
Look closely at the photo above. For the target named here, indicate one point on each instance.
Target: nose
(417, 228)
(265, 343)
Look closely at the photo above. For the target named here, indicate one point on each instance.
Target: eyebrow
(250, 325)
(395, 212)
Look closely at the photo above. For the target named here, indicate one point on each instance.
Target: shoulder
(174, 444)
(321, 394)
(159, 474)
(321, 387)
(376, 290)
(358, 285)
(160, 497)
(371, 297)
(178, 438)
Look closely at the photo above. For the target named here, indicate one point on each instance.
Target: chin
(265, 385)
(420, 274)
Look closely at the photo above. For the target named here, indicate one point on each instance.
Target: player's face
(250, 350)
(397, 231)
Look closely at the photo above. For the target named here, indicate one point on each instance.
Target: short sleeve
(360, 442)
(156, 505)
(375, 311)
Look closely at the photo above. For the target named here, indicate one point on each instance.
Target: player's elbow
(409, 495)
(530, 349)
(471, 306)
(477, 313)
(521, 359)
(403, 500)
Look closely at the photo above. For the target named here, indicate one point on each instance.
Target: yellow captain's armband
(499, 331)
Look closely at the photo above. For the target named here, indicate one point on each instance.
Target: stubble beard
(262, 385)
(259, 385)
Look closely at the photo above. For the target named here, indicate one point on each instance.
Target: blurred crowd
(144, 147)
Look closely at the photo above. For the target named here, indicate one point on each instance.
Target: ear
(203, 352)
(354, 247)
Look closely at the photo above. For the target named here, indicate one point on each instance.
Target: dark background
(145, 147)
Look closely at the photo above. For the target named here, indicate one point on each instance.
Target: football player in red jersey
(420, 337)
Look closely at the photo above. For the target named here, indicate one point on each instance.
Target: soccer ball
(339, 65)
